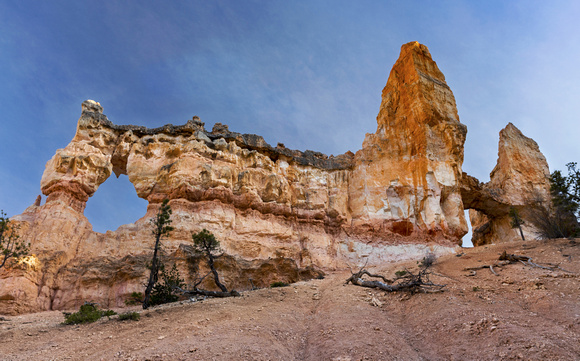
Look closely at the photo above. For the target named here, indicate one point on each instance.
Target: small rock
(220, 143)
(375, 302)
(199, 135)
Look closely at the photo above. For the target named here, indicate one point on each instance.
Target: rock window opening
(115, 203)
(467, 238)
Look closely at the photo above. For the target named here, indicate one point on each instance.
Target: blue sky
(305, 73)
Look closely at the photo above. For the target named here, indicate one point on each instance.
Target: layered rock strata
(520, 180)
(406, 178)
(280, 214)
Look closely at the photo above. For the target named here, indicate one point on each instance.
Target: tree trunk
(153, 276)
(216, 277)
(521, 232)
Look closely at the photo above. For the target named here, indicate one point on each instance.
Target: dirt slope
(524, 313)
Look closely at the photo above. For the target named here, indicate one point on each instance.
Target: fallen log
(221, 294)
(404, 281)
(505, 259)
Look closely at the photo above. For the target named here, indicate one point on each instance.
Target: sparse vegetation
(517, 221)
(427, 261)
(278, 284)
(400, 274)
(167, 291)
(161, 227)
(133, 316)
(11, 246)
(560, 217)
(136, 298)
(565, 192)
(205, 244)
(87, 313)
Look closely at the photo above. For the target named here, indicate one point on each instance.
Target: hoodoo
(519, 181)
(406, 178)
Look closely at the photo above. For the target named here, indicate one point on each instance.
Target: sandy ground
(522, 314)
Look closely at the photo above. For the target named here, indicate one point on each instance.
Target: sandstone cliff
(407, 176)
(519, 180)
(280, 214)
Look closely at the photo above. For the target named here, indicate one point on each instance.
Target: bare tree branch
(405, 281)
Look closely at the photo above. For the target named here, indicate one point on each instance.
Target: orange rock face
(280, 214)
(519, 180)
(406, 177)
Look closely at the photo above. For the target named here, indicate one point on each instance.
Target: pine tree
(11, 246)
(565, 192)
(517, 221)
(161, 228)
(205, 243)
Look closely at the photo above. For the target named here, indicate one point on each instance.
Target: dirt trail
(524, 313)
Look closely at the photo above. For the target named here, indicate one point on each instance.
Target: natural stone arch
(114, 204)
(519, 180)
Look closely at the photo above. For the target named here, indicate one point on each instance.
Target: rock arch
(519, 180)
(280, 214)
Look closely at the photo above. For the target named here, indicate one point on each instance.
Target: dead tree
(525, 260)
(405, 280)
(505, 259)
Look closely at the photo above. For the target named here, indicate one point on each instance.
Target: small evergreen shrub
(167, 292)
(400, 274)
(278, 284)
(88, 313)
(136, 298)
(133, 316)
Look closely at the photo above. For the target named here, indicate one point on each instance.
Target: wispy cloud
(305, 73)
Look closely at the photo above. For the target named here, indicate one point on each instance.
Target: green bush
(11, 246)
(561, 218)
(136, 298)
(133, 316)
(400, 274)
(278, 284)
(166, 292)
(88, 313)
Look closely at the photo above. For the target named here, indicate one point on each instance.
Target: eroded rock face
(521, 170)
(406, 177)
(280, 214)
(519, 180)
